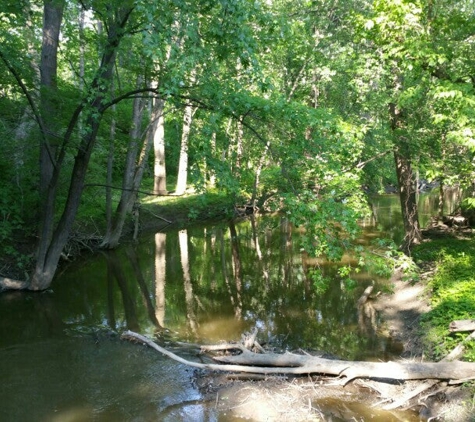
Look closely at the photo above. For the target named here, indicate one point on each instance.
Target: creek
(60, 354)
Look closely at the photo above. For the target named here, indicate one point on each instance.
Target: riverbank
(416, 313)
(400, 315)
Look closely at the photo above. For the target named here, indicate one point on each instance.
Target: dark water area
(60, 354)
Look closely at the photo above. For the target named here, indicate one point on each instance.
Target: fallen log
(288, 363)
(354, 369)
(456, 353)
(462, 325)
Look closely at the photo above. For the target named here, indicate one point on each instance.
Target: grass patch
(453, 293)
(189, 208)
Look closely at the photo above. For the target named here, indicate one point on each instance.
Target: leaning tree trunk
(47, 263)
(128, 193)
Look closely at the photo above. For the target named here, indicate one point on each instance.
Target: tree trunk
(109, 175)
(128, 193)
(159, 167)
(408, 199)
(27, 121)
(52, 18)
(406, 183)
(211, 172)
(440, 204)
(239, 147)
(183, 160)
(50, 248)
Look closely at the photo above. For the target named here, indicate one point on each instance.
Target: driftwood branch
(288, 363)
(462, 325)
(456, 353)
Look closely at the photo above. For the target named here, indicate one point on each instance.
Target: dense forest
(304, 106)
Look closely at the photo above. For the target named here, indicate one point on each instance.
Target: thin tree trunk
(239, 147)
(440, 204)
(27, 122)
(406, 182)
(110, 167)
(441, 179)
(258, 175)
(128, 194)
(211, 172)
(181, 183)
(408, 199)
(159, 167)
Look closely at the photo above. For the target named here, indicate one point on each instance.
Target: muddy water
(61, 358)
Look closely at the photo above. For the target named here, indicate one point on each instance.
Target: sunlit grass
(452, 293)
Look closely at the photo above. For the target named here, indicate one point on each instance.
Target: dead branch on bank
(456, 353)
(462, 325)
(288, 363)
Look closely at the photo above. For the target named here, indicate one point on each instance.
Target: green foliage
(291, 100)
(18, 196)
(320, 282)
(209, 206)
(453, 292)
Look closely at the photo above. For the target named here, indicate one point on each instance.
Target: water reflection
(207, 284)
(202, 284)
(386, 210)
